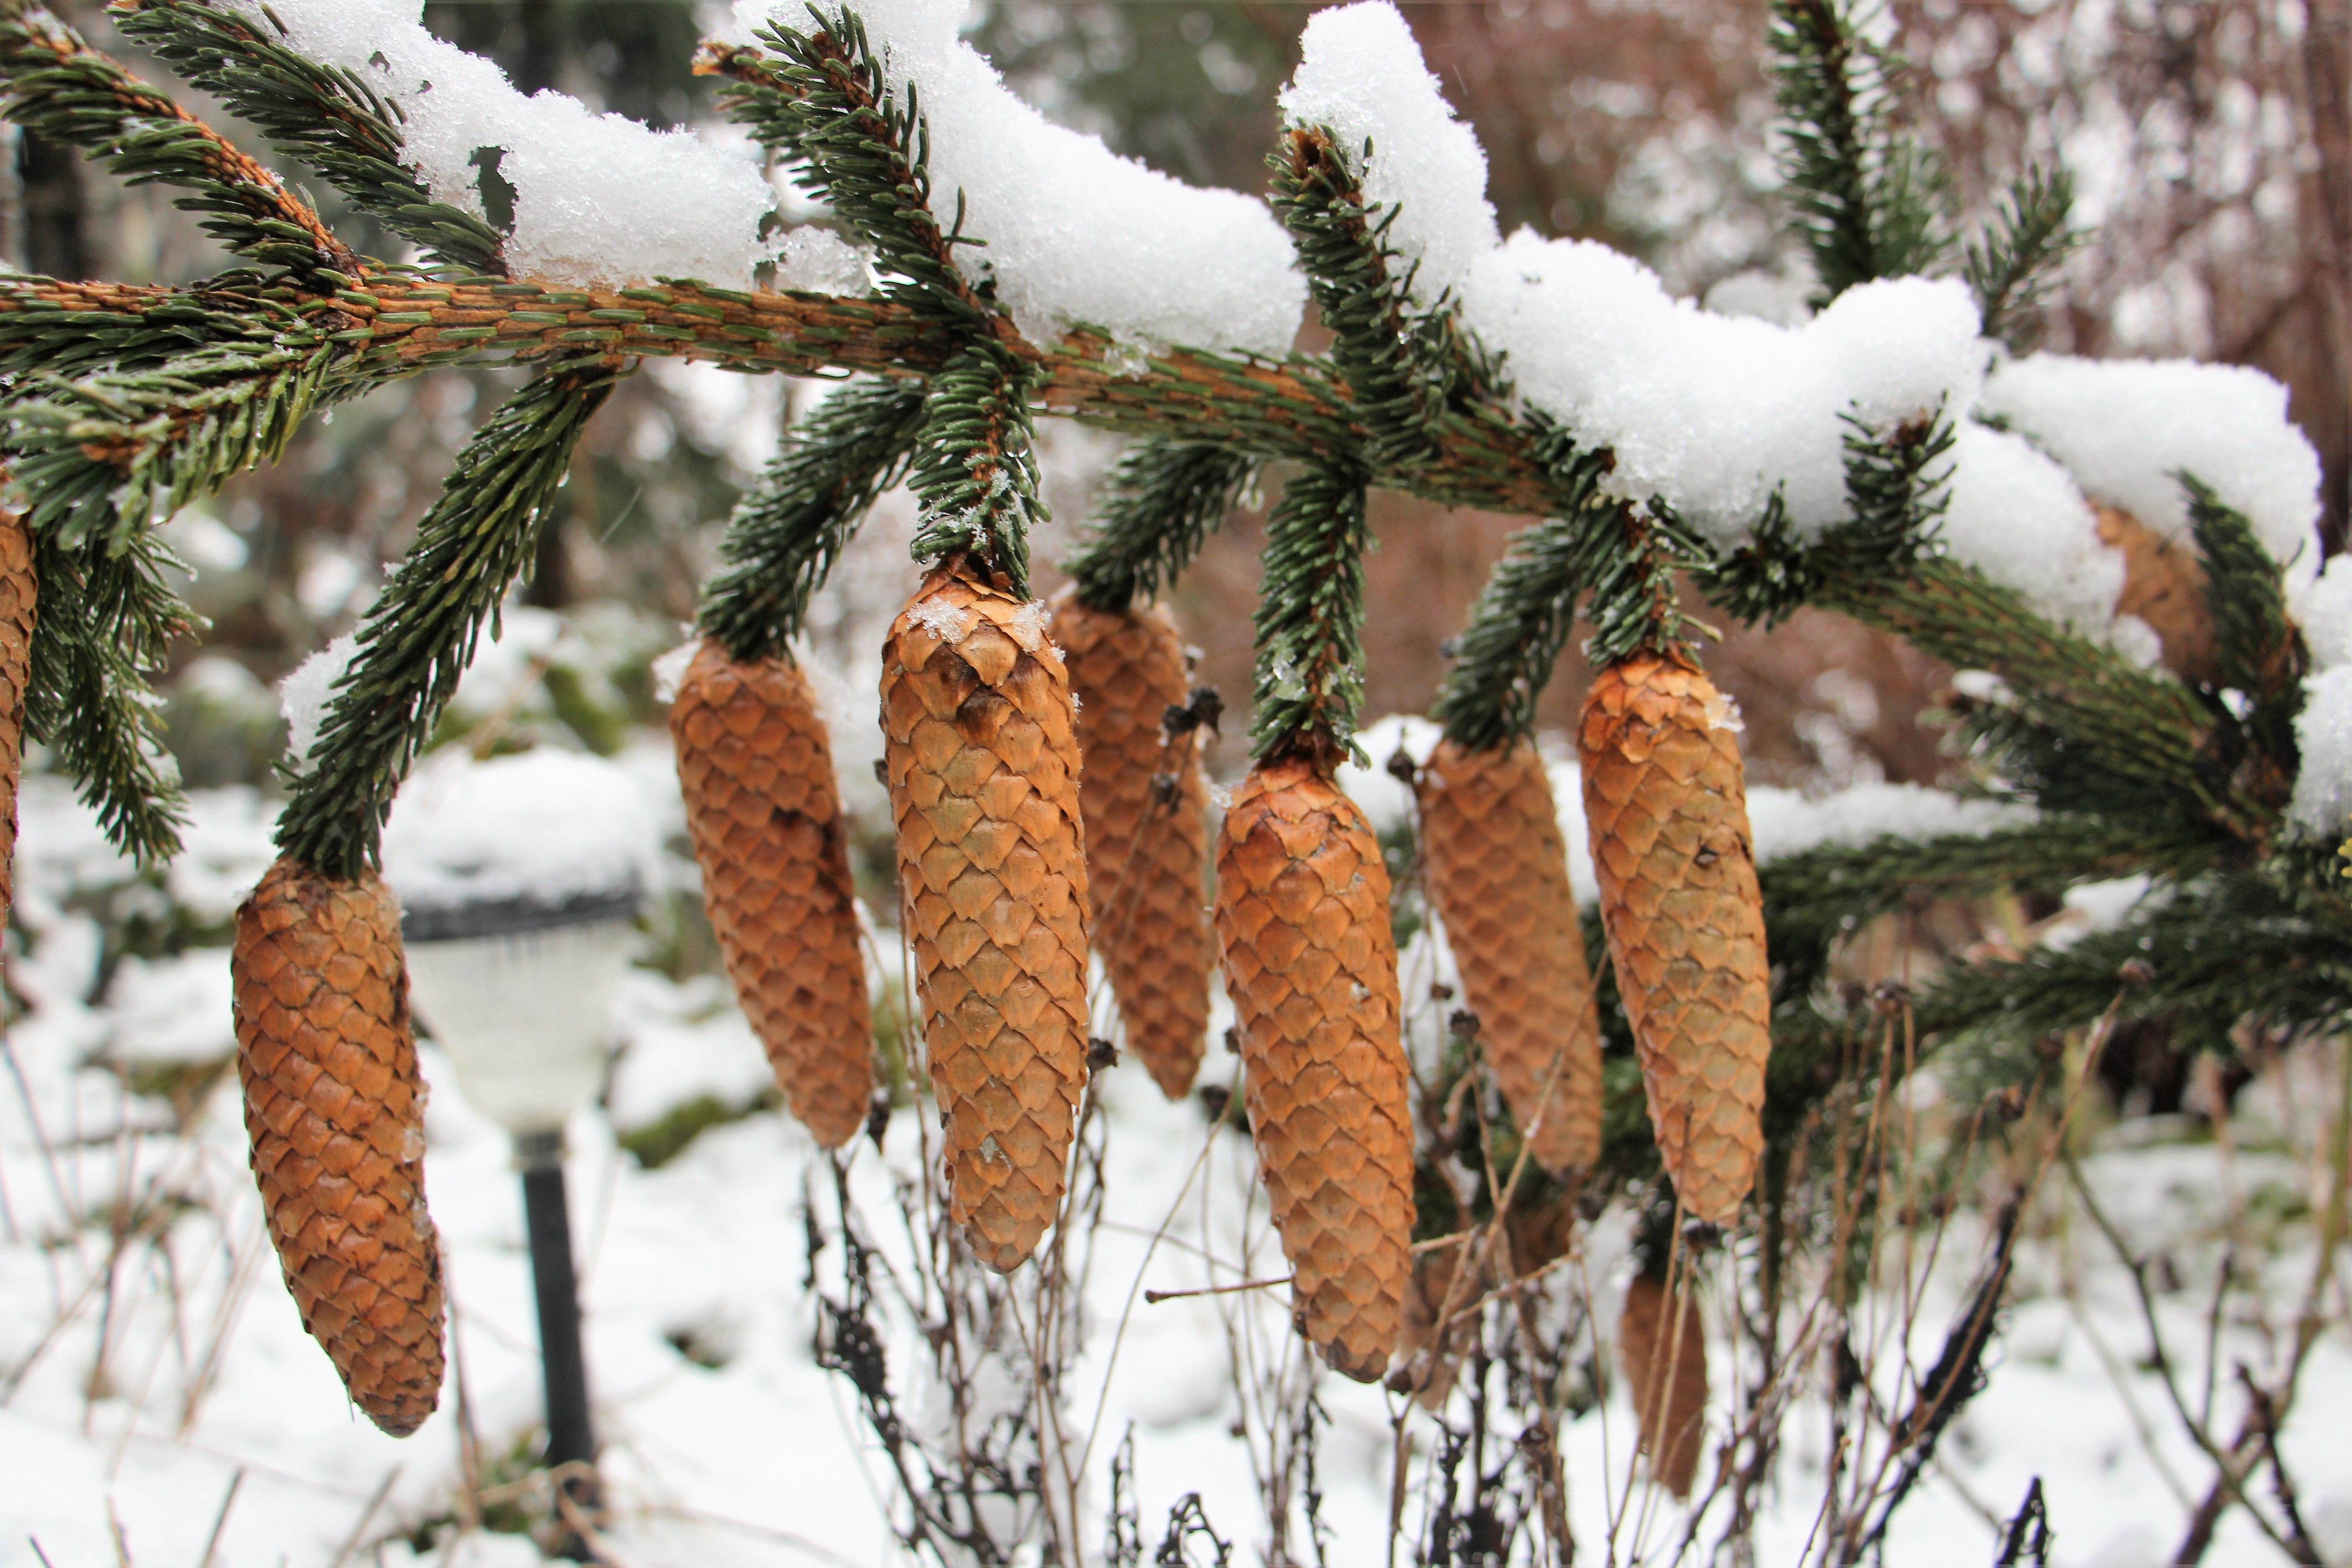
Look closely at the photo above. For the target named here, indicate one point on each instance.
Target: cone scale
(764, 814)
(1498, 871)
(1147, 831)
(1666, 804)
(1309, 961)
(981, 757)
(335, 1111)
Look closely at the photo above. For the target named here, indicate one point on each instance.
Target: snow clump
(1715, 413)
(2127, 428)
(1361, 78)
(1783, 822)
(302, 696)
(2017, 517)
(598, 198)
(543, 827)
(1075, 234)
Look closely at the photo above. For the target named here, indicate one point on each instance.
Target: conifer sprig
(59, 87)
(419, 636)
(107, 619)
(1310, 619)
(2009, 266)
(790, 528)
(2261, 653)
(101, 457)
(1155, 508)
(1868, 201)
(1363, 293)
(329, 119)
(1505, 654)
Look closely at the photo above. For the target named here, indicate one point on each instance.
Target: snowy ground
(156, 1389)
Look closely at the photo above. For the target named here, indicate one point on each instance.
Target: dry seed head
(1310, 963)
(981, 757)
(336, 1114)
(1147, 830)
(765, 817)
(1498, 871)
(1666, 803)
(19, 589)
(1668, 1384)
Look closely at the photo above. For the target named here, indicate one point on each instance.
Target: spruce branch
(56, 86)
(419, 636)
(2010, 265)
(790, 528)
(327, 118)
(1310, 619)
(1156, 507)
(1505, 654)
(2261, 653)
(103, 457)
(105, 621)
(1868, 199)
(974, 471)
(1398, 383)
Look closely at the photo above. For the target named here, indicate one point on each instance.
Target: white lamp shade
(525, 1016)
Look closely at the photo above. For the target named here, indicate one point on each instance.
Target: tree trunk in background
(54, 207)
(2327, 58)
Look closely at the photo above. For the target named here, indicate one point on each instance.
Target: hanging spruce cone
(1667, 803)
(19, 590)
(981, 755)
(1497, 870)
(336, 1113)
(1303, 927)
(2164, 585)
(765, 817)
(1669, 1385)
(1147, 832)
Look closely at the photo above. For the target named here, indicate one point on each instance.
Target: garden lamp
(520, 913)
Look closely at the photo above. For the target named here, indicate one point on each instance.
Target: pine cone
(1303, 927)
(2164, 585)
(1498, 871)
(765, 817)
(336, 1112)
(982, 758)
(1669, 1386)
(20, 592)
(1667, 806)
(1147, 831)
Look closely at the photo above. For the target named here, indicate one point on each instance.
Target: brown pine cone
(20, 592)
(1498, 871)
(1147, 831)
(1667, 803)
(1303, 929)
(765, 817)
(2164, 585)
(981, 755)
(1669, 1385)
(336, 1112)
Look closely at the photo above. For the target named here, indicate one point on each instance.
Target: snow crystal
(1713, 413)
(302, 696)
(541, 827)
(1361, 78)
(669, 671)
(2326, 616)
(2125, 427)
(597, 198)
(1075, 234)
(2016, 516)
(1785, 823)
(819, 261)
(2322, 732)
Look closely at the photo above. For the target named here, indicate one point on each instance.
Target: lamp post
(514, 952)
